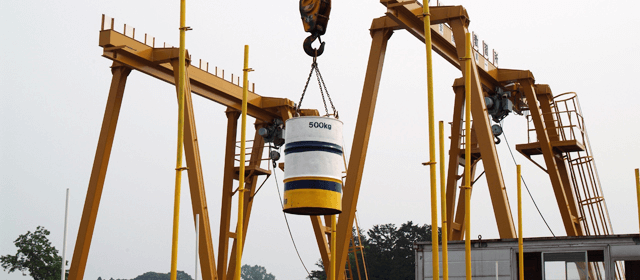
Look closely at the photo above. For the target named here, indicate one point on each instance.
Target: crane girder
(409, 17)
(156, 63)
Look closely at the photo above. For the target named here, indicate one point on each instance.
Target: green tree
(180, 275)
(388, 252)
(318, 274)
(255, 272)
(35, 255)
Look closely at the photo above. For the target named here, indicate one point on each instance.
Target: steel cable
(525, 185)
(287, 221)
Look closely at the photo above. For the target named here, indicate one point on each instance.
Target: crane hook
(308, 49)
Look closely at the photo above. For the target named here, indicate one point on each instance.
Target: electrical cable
(525, 185)
(287, 221)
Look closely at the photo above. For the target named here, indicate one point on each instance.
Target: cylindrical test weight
(313, 166)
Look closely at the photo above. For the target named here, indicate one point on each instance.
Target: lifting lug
(308, 49)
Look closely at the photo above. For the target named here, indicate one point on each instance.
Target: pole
(520, 249)
(241, 189)
(467, 157)
(64, 238)
(432, 144)
(179, 168)
(638, 191)
(333, 248)
(197, 242)
(443, 202)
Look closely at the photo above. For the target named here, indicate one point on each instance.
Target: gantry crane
(563, 146)
(560, 134)
(130, 54)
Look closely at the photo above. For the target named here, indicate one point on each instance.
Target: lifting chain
(321, 85)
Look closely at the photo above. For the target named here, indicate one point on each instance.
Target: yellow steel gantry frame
(409, 16)
(129, 54)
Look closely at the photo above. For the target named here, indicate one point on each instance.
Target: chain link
(321, 92)
(335, 112)
(313, 66)
(321, 85)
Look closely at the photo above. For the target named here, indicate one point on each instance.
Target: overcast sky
(55, 85)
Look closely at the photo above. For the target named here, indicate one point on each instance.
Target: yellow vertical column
(443, 207)
(467, 156)
(432, 144)
(638, 191)
(520, 249)
(243, 137)
(333, 273)
(179, 168)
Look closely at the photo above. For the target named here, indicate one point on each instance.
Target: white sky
(55, 84)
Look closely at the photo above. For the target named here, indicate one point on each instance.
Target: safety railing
(108, 23)
(566, 118)
(248, 149)
(568, 124)
(463, 135)
(584, 175)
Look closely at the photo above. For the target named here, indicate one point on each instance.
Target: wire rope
(526, 187)
(287, 221)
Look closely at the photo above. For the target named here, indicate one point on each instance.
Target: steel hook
(308, 49)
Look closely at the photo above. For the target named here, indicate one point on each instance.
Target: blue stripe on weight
(310, 146)
(313, 184)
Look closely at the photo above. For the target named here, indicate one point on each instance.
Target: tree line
(388, 252)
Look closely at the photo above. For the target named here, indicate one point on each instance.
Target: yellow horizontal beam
(409, 17)
(514, 75)
(155, 62)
